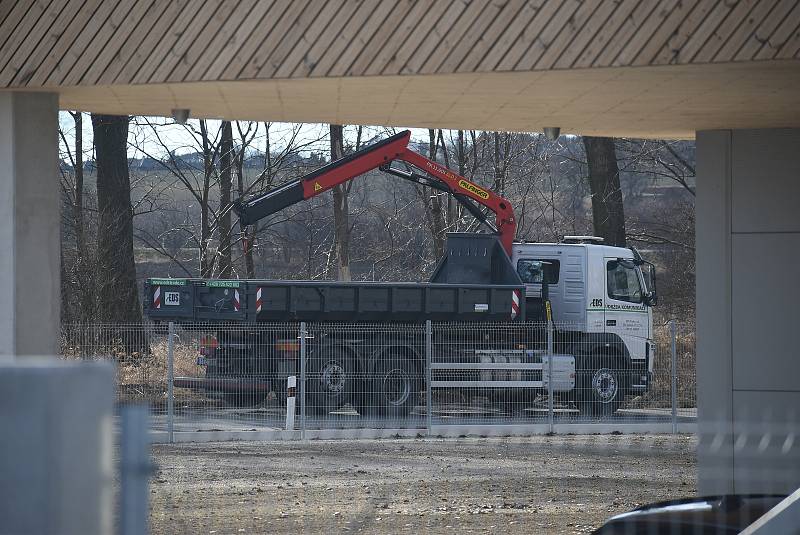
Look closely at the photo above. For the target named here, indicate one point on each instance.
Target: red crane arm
(375, 156)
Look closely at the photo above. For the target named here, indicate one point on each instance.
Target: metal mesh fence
(412, 377)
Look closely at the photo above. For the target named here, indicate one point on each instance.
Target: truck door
(625, 310)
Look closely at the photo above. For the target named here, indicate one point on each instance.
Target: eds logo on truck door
(469, 186)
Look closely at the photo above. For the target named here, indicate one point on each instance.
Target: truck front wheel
(601, 388)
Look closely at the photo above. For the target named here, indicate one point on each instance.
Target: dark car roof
(712, 515)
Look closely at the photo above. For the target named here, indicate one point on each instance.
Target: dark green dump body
(473, 282)
(199, 300)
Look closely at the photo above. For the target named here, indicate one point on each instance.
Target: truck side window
(534, 271)
(623, 282)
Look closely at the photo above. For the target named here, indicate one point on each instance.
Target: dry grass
(659, 394)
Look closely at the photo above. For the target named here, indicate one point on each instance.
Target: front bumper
(639, 377)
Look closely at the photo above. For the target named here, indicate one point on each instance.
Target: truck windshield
(623, 281)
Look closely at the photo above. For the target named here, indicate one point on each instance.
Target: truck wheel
(395, 387)
(601, 388)
(331, 380)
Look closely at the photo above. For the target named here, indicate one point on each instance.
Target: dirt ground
(557, 484)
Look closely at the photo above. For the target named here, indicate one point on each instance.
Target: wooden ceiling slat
(200, 54)
(529, 34)
(269, 23)
(205, 22)
(290, 41)
(382, 37)
(792, 45)
(99, 42)
(590, 32)
(671, 51)
(645, 32)
(362, 39)
(627, 29)
(764, 30)
(39, 42)
(724, 31)
(760, 11)
(135, 42)
(606, 34)
(21, 31)
(490, 34)
(461, 37)
(8, 7)
(121, 36)
(321, 43)
(575, 28)
(13, 19)
(331, 55)
(275, 37)
(781, 35)
(321, 23)
(233, 41)
(164, 45)
(704, 30)
(428, 19)
(508, 36)
(64, 43)
(548, 35)
(670, 27)
(68, 61)
(403, 29)
(432, 39)
(158, 37)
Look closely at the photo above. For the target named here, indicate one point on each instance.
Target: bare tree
(341, 208)
(607, 209)
(225, 185)
(118, 298)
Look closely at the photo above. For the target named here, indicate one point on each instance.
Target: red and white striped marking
(514, 304)
(236, 302)
(258, 300)
(157, 297)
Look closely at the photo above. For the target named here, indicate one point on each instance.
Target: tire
(601, 386)
(331, 381)
(394, 388)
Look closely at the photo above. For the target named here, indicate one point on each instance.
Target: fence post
(170, 386)
(428, 375)
(550, 372)
(674, 376)
(135, 468)
(303, 335)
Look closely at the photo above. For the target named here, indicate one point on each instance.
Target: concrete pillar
(56, 447)
(748, 290)
(29, 224)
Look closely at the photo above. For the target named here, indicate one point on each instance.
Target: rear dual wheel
(391, 390)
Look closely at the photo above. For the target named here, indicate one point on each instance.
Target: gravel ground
(557, 484)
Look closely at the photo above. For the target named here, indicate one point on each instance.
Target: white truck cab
(601, 296)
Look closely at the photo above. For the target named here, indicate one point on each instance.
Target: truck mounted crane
(600, 297)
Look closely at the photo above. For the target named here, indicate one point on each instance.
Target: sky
(180, 140)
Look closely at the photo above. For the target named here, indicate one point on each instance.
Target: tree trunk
(206, 261)
(86, 289)
(607, 210)
(225, 184)
(117, 291)
(434, 206)
(341, 209)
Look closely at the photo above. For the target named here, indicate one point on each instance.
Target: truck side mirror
(651, 298)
